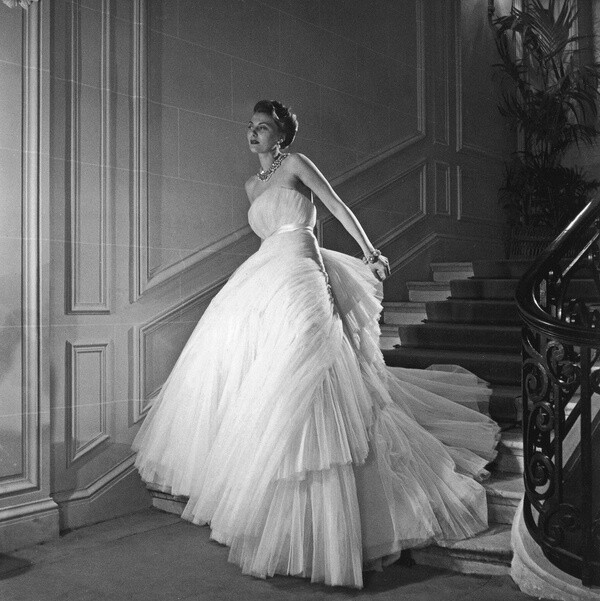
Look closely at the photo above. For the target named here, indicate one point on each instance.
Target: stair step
(444, 272)
(397, 313)
(478, 288)
(504, 404)
(489, 552)
(503, 269)
(504, 493)
(427, 291)
(163, 499)
(473, 311)
(496, 368)
(510, 452)
(389, 337)
(458, 336)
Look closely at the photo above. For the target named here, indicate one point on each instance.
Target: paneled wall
(27, 512)
(149, 101)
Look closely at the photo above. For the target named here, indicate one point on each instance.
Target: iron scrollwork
(559, 299)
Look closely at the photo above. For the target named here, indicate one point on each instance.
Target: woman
(280, 421)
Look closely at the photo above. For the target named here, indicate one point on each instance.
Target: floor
(153, 555)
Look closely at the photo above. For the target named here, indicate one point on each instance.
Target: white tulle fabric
(290, 436)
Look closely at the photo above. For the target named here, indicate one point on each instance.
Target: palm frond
(552, 101)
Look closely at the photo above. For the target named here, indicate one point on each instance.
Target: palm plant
(551, 100)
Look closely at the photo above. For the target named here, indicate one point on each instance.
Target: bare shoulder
(297, 158)
(298, 162)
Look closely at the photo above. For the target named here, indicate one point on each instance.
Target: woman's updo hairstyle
(283, 116)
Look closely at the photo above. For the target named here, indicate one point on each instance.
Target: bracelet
(373, 257)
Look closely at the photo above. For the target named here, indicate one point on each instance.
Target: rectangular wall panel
(480, 130)
(88, 282)
(442, 188)
(442, 22)
(88, 365)
(11, 257)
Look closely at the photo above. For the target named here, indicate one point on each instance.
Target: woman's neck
(266, 158)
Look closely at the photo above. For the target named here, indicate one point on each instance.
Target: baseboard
(29, 524)
(117, 493)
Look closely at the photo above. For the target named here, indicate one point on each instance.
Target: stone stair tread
(505, 485)
(457, 335)
(502, 406)
(511, 391)
(444, 272)
(457, 355)
(479, 301)
(501, 268)
(461, 327)
(494, 367)
(419, 285)
(494, 540)
(479, 288)
(512, 439)
(403, 306)
(468, 311)
(403, 312)
(489, 552)
(451, 265)
(501, 280)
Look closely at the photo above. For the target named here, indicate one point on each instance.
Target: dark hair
(283, 116)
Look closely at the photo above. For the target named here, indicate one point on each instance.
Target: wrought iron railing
(559, 304)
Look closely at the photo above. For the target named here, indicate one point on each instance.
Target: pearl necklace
(263, 176)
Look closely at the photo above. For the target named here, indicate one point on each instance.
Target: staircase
(467, 316)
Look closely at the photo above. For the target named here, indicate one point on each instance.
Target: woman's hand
(381, 268)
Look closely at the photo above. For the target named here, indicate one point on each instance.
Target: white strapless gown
(290, 436)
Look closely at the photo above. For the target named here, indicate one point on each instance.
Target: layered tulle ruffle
(289, 435)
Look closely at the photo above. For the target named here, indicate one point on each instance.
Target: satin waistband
(292, 227)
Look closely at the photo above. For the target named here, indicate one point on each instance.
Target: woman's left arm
(311, 177)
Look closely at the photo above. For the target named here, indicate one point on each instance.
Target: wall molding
(141, 398)
(419, 215)
(420, 133)
(462, 146)
(143, 278)
(27, 513)
(442, 23)
(96, 487)
(31, 197)
(75, 350)
(431, 240)
(442, 190)
(118, 491)
(162, 274)
(77, 271)
(139, 208)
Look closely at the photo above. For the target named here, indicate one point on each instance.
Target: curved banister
(528, 306)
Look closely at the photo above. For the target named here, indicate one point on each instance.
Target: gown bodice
(278, 208)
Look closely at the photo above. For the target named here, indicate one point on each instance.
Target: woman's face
(263, 133)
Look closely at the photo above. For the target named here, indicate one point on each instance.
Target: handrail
(529, 309)
(560, 379)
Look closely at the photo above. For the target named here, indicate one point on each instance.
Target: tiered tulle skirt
(304, 453)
